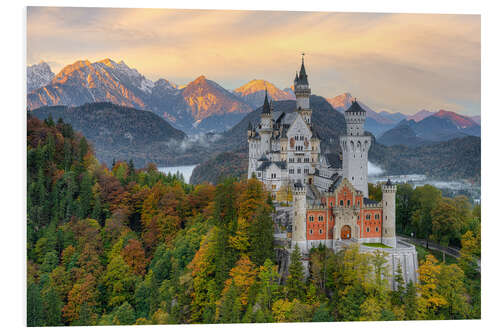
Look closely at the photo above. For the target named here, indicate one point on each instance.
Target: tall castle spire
(303, 74)
(302, 93)
(266, 109)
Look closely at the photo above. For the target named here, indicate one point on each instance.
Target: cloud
(374, 170)
(396, 62)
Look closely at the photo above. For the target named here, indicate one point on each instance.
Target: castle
(329, 194)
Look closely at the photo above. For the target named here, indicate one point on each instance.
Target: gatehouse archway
(345, 232)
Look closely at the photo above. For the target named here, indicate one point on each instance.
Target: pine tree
(230, 308)
(295, 280)
(85, 197)
(52, 306)
(261, 238)
(398, 293)
(410, 301)
(34, 306)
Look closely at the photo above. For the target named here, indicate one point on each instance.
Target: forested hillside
(451, 160)
(123, 133)
(126, 246)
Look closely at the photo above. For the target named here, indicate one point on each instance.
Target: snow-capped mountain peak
(38, 75)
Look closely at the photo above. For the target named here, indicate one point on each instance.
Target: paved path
(451, 251)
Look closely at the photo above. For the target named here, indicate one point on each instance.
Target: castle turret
(355, 146)
(302, 93)
(389, 214)
(299, 217)
(266, 126)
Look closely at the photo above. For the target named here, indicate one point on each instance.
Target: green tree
(34, 306)
(425, 199)
(124, 315)
(295, 281)
(261, 237)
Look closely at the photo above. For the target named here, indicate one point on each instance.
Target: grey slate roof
(333, 160)
(266, 164)
(367, 201)
(355, 107)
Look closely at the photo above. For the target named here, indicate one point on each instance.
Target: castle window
(320, 231)
(290, 160)
(341, 202)
(367, 229)
(290, 171)
(368, 216)
(298, 170)
(259, 174)
(320, 218)
(311, 218)
(348, 203)
(299, 160)
(376, 229)
(377, 216)
(311, 231)
(306, 171)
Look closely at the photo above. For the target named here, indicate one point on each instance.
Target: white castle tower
(389, 218)
(355, 146)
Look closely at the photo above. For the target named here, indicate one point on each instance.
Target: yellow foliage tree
(430, 301)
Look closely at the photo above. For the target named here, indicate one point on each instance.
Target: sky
(392, 62)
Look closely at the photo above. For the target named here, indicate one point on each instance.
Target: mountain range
(437, 127)
(200, 106)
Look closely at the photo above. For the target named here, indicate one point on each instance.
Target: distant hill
(420, 115)
(477, 119)
(124, 133)
(254, 91)
(220, 166)
(395, 117)
(403, 134)
(459, 158)
(441, 126)
(376, 123)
